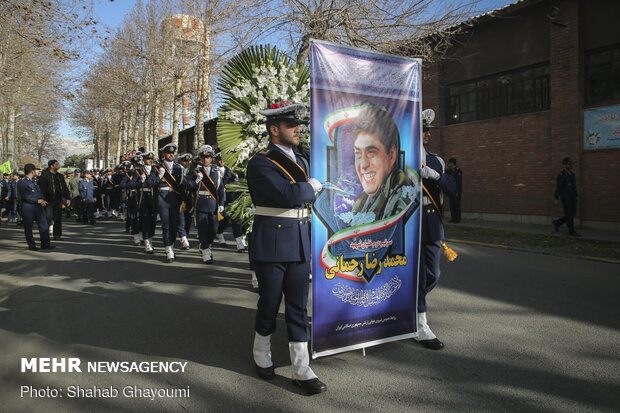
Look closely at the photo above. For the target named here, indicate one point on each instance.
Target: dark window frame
(602, 75)
(522, 90)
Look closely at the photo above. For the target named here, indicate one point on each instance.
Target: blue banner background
(347, 313)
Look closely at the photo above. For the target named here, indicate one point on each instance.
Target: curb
(534, 251)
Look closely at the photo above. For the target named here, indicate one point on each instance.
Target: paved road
(523, 332)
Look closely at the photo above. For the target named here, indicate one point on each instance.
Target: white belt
(206, 193)
(146, 189)
(282, 212)
(164, 188)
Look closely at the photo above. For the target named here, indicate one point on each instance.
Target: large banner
(366, 150)
(601, 127)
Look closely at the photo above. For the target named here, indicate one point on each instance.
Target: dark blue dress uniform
(207, 203)
(170, 191)
(130, 183)
(87, 193)
(30, 194)
(432, 228)
(146, 204)
(280, 246)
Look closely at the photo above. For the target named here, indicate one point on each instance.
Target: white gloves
(220, 208)
(429, 173)
(162, 172)
(143, 177)
(199, 176)
(316, 185)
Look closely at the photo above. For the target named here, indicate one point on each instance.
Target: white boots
(424, 331)
(425, 336)
(184, 243)
(148, 246)
(262, 351)
(262, 357)
(300, 361)
(221, 240)
(254, 281)
(241, 247)
(136, 239)
(169, 254)
(207, 256)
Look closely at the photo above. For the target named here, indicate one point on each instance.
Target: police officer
(168, 178)
(280, 244)
(147, 210)
(206, 181)
(434, 180)
(86, 189)
(33, 209)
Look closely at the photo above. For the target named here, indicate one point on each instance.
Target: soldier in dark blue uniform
(228, 176)
(33, 209)
(566, 191)
(206, 181)
(168, 178)
(87, 195)
(280, 244)
(434, 180)
(147, 209)
(14, 213)
(185, 212)
(130, 183)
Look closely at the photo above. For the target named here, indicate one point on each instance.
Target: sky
(111, 14)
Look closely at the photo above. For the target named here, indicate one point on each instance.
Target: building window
(508, 93)
(603, 75)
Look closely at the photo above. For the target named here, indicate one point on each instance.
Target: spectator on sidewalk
(54, 189)
(566, 191)
(455, 200)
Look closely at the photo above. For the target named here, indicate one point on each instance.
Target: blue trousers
(169, 206)
(147, 216)
(290, 278)
(429, 271)
(31, 213)
(88, 211)
(206, 224)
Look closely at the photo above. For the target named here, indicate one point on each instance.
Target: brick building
(510, 99)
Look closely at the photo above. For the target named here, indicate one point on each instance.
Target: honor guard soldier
(280, 244)
(33, 209)
(434, 180)
(206, 181)
(130, 183)
(228, 177)
(185, 217)
(168, 178)
(147, 211)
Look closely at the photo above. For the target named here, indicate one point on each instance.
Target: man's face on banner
(373, 162)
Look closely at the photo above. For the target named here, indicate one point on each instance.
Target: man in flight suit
(280, 244)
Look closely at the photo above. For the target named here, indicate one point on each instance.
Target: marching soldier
(434, 180)
(280, 244)
(130, 183)
(86, 189)
(168, 178)
(147, 210)
(185, 217)
(207, 183)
